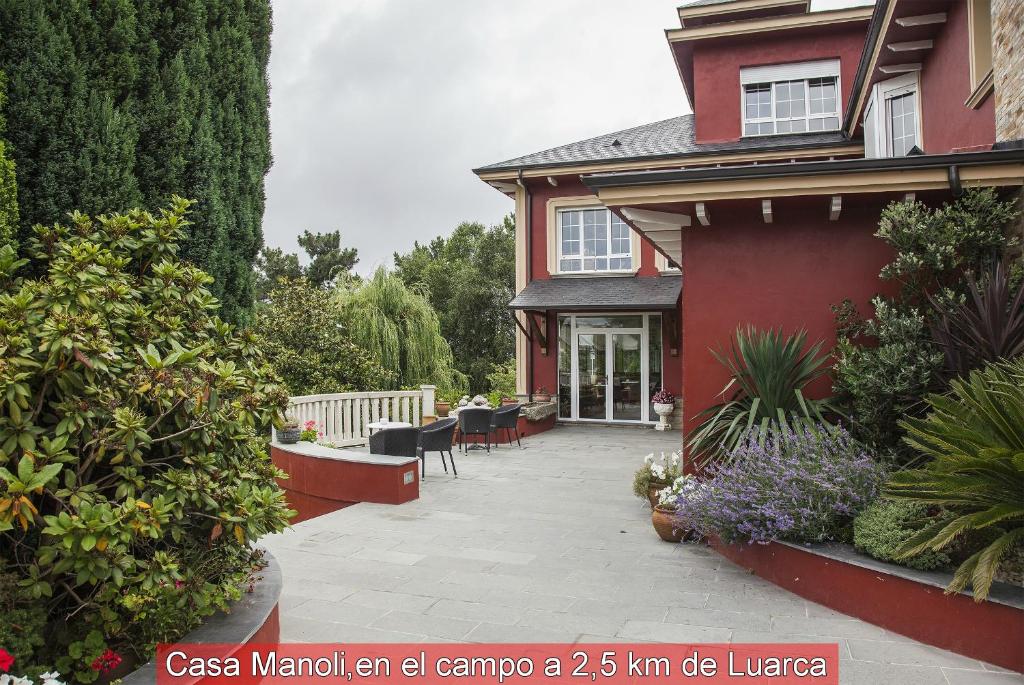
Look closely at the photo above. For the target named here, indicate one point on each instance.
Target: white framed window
(790, 98)
(892, 118)
(591, 240)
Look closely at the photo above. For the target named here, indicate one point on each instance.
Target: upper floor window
(593, 240)
(790, 98)
(892, 122)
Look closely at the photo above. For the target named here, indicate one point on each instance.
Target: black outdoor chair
(506, 418)
(437, 437)
(395, 442)
(475, 421)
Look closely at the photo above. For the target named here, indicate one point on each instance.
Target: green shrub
(882, 529)
(502, 380)
(299, 325)
(132, 422)
(975, 439)
(768, 373)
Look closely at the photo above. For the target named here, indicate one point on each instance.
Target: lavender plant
(802, 486)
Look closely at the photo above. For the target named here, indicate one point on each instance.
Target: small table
(379, 425)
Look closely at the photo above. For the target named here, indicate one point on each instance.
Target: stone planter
(663, 521)
(252, 619)
(289, 436)
(663, 411)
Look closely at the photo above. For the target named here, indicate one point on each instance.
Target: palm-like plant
(765, 392)
(986, 327)
(975, 436)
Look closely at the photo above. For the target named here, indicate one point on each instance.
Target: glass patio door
(606, 366)
(627, 377)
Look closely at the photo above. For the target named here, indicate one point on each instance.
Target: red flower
(6, 660)
(106, 662)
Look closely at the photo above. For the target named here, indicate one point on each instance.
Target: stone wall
(1008, 68)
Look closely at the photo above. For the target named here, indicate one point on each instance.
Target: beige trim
(860, 99)
(979, 40)
(661, 262)
(983, 90)
(748, 26)
(689, 12)
(676, 162)
(521, 257)
(847, 183)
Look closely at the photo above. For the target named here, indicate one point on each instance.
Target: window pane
(799, 125)
(831, 123)
(750, 130)
(569, 265)
(784, 126)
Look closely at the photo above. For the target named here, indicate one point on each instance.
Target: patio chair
(437, 437)
(395, 442)
(506, 418)
(475, 421)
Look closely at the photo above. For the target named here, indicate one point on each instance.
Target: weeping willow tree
(399, 327)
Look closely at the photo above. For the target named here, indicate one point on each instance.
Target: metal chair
(507, 418)
(395, 442)
(475, 421)
(437, 437)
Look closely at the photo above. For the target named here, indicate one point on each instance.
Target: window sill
(981, 92)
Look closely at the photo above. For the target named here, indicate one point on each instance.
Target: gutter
(957, 159)
(528, 224)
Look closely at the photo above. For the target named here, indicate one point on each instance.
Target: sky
(381, 108)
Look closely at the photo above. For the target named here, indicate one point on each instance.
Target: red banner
(497, 664)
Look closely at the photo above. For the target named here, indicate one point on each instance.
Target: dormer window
(790, 98)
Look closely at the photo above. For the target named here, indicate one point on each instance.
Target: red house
(640, 251)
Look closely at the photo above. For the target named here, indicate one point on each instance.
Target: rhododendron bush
(133, 476)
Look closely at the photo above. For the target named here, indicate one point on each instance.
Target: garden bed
(906, 601)
(325, 479)
(253, 619)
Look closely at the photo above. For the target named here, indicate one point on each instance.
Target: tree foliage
(399, 328)
(116, 104)
(301, 328)
(133, 475)
(8, 186)
(328, 261)
(469, 279)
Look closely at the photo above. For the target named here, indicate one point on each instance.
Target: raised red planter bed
(899, 599)
(324, 479)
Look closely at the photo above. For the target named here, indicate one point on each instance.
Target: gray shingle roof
(669, 138)
(600, 293)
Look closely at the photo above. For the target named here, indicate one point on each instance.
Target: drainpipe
(528, 223)
(954, 181)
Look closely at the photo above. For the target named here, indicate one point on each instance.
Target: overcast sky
(380, 108)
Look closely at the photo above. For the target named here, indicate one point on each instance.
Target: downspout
(954, 181)
(528, 223)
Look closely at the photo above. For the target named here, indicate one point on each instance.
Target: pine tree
(121, 103)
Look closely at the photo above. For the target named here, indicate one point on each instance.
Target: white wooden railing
(343, 417)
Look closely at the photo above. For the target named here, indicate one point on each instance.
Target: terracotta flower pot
(442, 408)
(541, 397)
(508, 401)
(652, 493)
(663, 521)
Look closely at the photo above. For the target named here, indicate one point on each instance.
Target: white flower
(52, 678)
(658, 470)
(14, 680)
(649, 458)
(675, 459)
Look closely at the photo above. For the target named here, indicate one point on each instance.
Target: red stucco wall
(945, 84)
(717, 63)
(545, 368)
(742, 271)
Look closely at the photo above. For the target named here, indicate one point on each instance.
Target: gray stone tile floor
(548, 544)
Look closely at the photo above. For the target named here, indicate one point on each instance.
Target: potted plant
(664, 405)
(655, 475)
(507, 401)
(310, 433)
(289, 433)
(542, 395)
(663, 515)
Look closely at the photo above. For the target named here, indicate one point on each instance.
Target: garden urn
(289, 434)
(663, 411)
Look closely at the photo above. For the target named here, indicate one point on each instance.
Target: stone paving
(548, 544)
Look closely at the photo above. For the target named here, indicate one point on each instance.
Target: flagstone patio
(547, 544)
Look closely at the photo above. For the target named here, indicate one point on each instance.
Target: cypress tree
(8, 188)
(122, 103)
